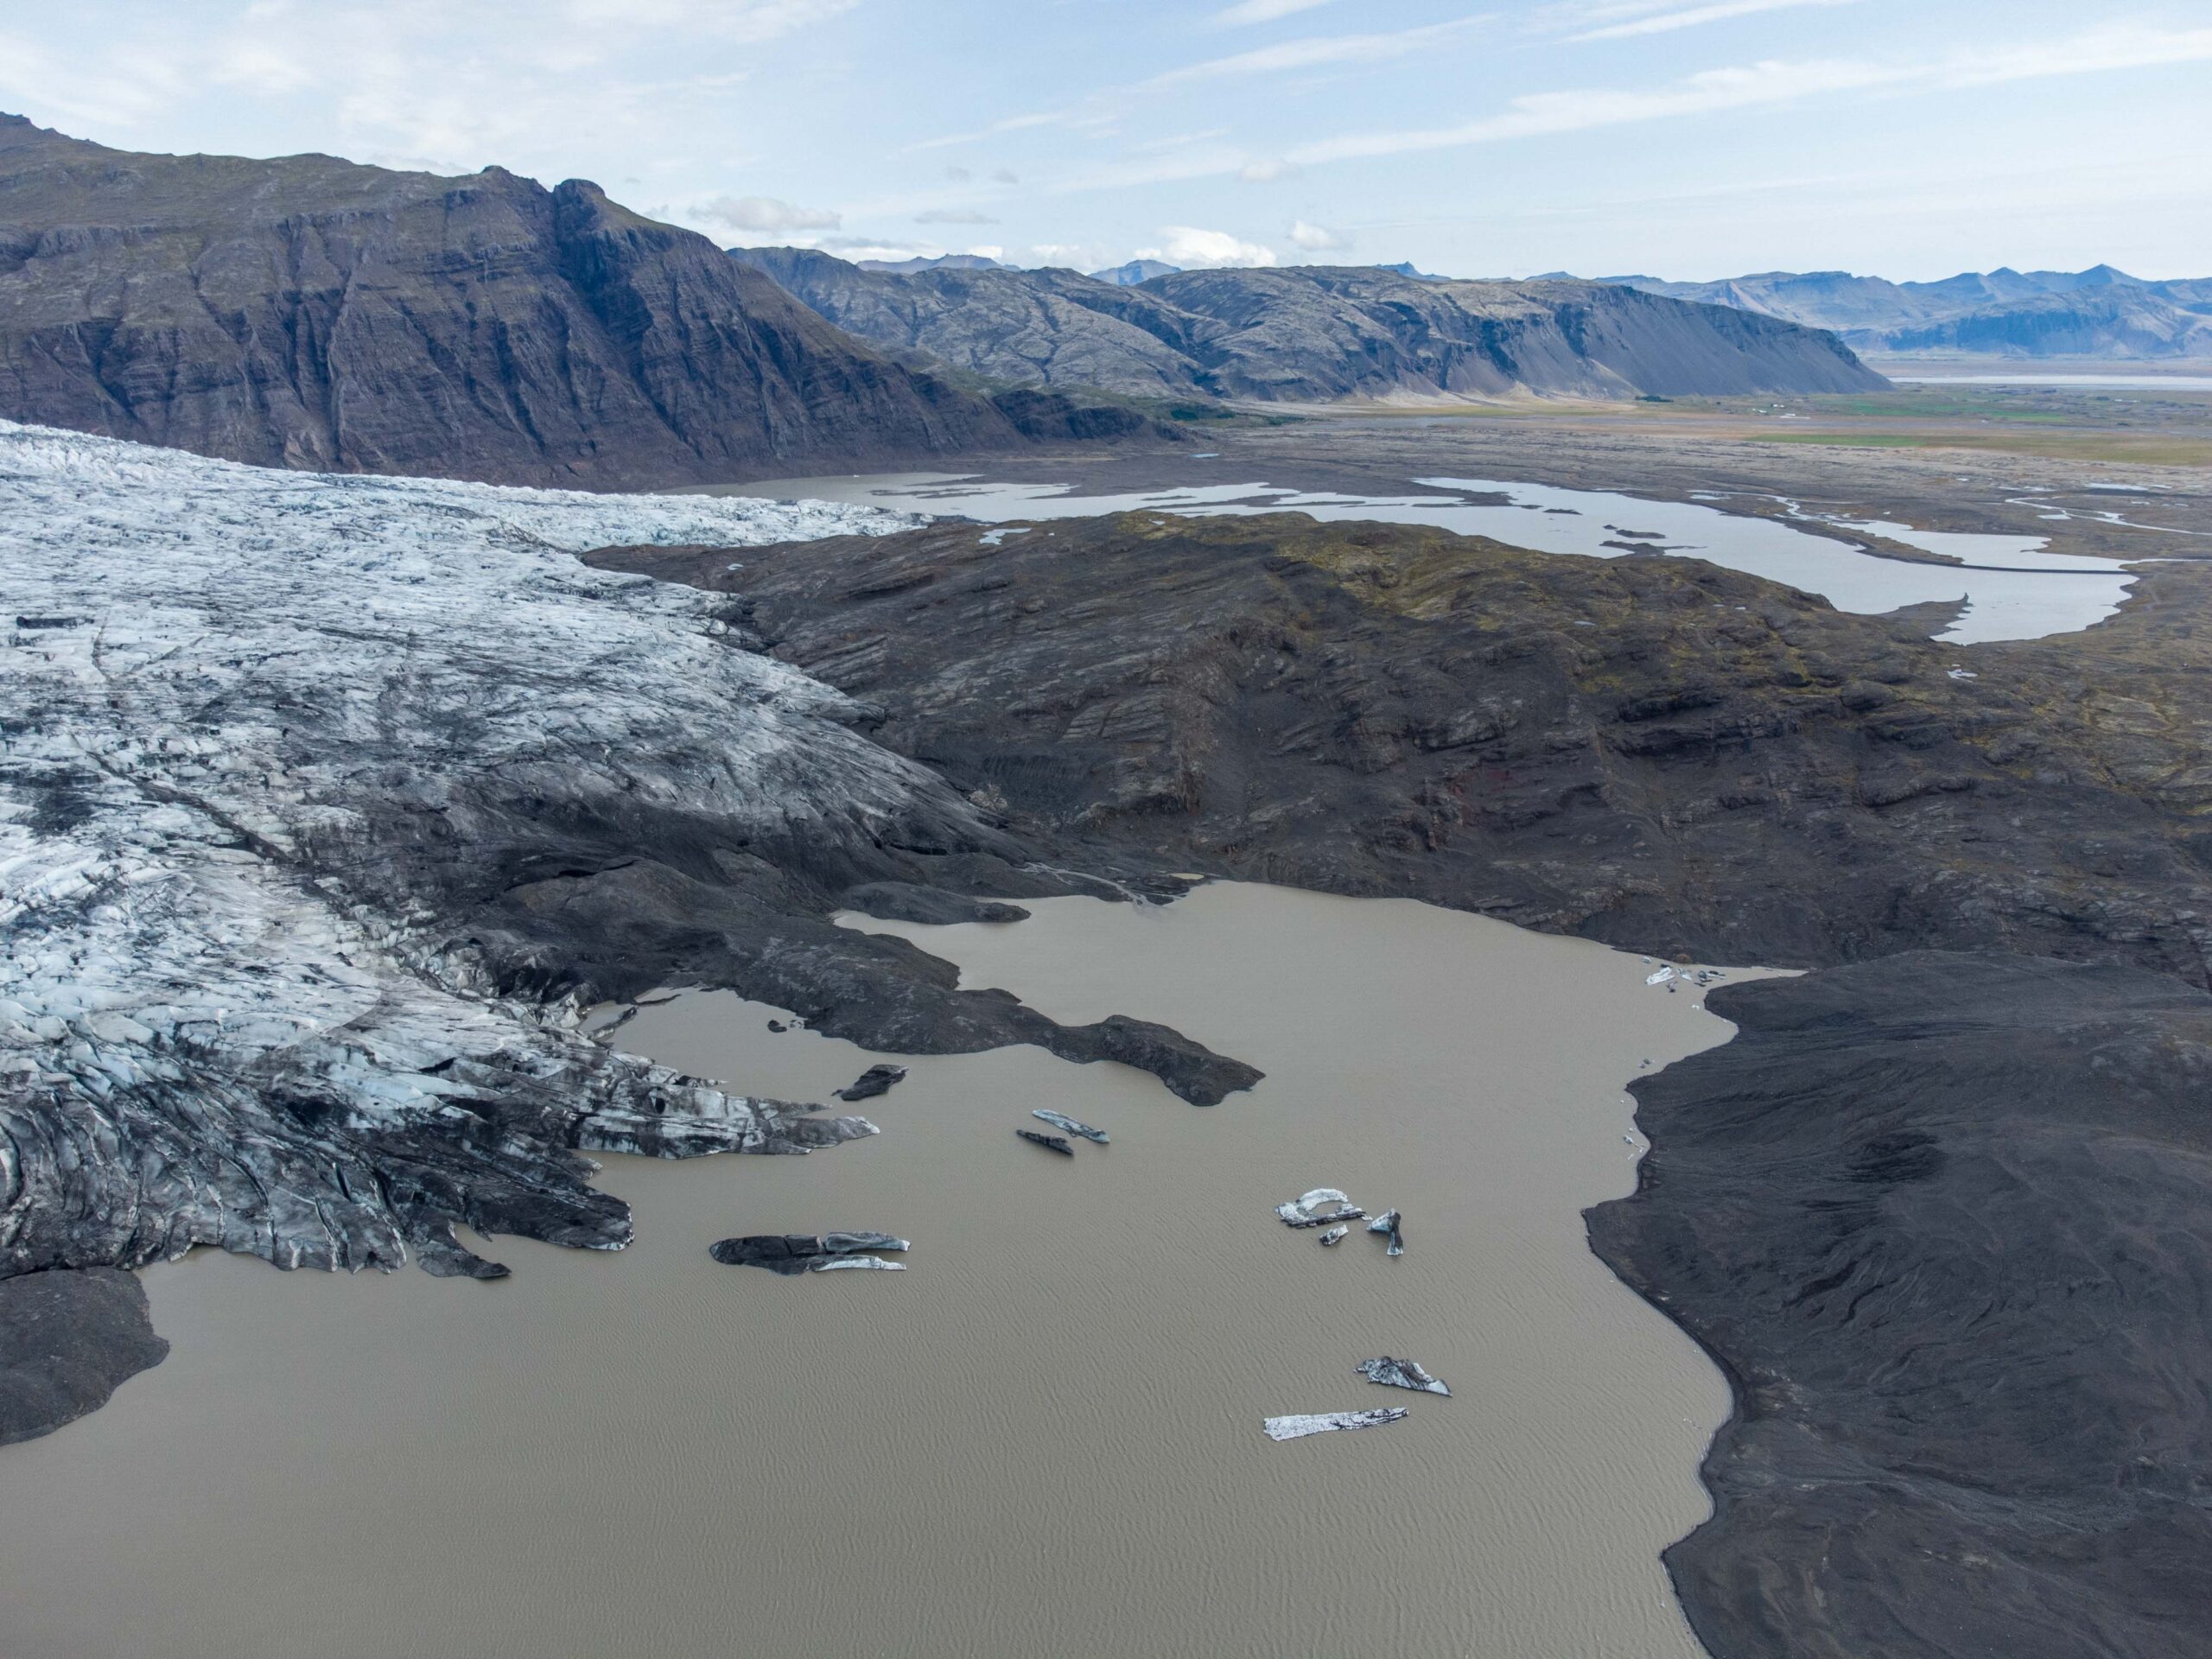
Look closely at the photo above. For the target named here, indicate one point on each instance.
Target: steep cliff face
(308, 312)
(1315, 332)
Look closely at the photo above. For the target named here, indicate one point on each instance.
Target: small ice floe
(1062, 1121)
(1051, 1143)
(1335, 1235)
(1318, 1208)
(1401, 1374)
(792, 1253)
(1393, 1227)
(1659, 978)
(876, 1080)
(1327, 1422)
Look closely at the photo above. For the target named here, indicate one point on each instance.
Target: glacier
(227, 1016)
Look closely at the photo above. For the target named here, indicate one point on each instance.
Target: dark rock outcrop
(1313, 333)
(792, 1253)
(876, 1080)
(67, 1340)
(902, 901)
(1946, 1221)
(1658, 754)
(308, 312)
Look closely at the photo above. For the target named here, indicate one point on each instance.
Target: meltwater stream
(1044, 1437)
(2013, 589)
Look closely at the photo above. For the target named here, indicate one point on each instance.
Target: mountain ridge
(2099, 312)
(309, 311)
(1315, 332)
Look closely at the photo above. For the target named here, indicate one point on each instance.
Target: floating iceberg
(792, 1253)
(1307, 1211)
(1327, 1422)
(876, 1080)
(1050, 1142)
(1401, 1374)
(1393, 1226)
(1062, 1121)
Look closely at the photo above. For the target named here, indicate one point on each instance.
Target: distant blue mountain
(1137, 270)
(2100, 312)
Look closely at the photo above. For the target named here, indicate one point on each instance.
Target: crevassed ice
(209, 670)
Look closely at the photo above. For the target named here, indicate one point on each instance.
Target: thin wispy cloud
(997, 129)
(1720, 11)
(1320, 52)
(1777, 84)
(1262, 11)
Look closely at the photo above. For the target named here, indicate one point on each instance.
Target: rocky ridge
(309, 312)
(1313, 333)
(2101, 312)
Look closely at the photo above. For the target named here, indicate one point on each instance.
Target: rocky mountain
(308, 312)
(941, 262)
(2101, 312)
(1314, 333)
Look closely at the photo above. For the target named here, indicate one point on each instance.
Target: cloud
(1011, 123)
(1191, 248)
(1692, 16)
(1005, 175)
(1317, 52)
(1262, 11)
(744, 23)
(1771, 84)
(770, 214)
(1317, 239)
(953, 216)
(1267, 171)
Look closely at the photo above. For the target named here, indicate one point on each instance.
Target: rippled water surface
(1044, 1437)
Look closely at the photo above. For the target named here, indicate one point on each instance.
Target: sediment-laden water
(1044, 1436)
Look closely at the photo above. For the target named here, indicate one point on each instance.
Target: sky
(1688, 139)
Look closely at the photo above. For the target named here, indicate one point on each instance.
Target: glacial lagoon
(1044, 1435)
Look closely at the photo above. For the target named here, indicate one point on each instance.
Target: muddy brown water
(1044, 1437)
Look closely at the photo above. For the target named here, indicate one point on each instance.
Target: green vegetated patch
(1851, 440)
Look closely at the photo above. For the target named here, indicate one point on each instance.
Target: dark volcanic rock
(876, 1080)
(1658, 754)
(792, 1253)
(1946, 1221)
(1313, 332)
(902, 901)
(67, 1340)
(308, 312)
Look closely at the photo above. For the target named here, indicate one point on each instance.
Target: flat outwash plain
(401, 812)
